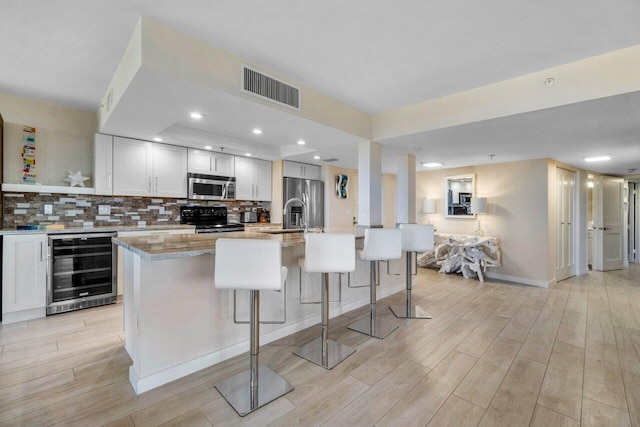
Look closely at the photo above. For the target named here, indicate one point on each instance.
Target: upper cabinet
(301, 170)
(253, 179)
(210, 163)
(103, 164)
(143, 168)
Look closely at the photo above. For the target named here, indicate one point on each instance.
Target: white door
(170, 171)
(24, 272)
(565, 231)
(132, 167)
(263, 180)
(608, 223)
(245, 181)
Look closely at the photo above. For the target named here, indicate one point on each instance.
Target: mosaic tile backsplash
(79, 210)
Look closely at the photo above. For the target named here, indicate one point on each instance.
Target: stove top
(208, 219)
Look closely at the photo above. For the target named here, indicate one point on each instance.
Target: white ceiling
(375, 55)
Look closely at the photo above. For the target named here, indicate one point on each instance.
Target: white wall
(63, 139)
(518, 214)
(339, 213)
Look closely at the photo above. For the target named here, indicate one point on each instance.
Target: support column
(369, 184)
(406, 189)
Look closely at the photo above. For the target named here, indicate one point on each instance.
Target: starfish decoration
(76, 179)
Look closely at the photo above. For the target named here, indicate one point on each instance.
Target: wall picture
(342, 186)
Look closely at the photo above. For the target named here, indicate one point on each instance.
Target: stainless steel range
(208, 219)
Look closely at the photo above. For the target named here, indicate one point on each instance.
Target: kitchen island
(176, 322)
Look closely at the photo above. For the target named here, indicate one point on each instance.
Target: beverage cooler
(82, 271)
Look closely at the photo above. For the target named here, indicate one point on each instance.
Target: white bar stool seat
(249, 390)
(415, 238)
(379, 244)
(327, 253)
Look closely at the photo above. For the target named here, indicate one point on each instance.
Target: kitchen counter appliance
(82, 271)
(312, 192)
(211, 187)
(208, 219)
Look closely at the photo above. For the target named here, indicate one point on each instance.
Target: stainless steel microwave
(211, 187)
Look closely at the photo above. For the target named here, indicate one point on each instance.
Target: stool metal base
(237, 391)
(312, 351)
(415, 312)
(380, 328)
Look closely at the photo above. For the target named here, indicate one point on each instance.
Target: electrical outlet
(104, 210)
(48, 209)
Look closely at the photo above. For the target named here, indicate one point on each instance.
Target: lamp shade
(428, 206)
(478, 205)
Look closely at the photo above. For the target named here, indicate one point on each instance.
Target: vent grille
(333, 159)
(268, 88)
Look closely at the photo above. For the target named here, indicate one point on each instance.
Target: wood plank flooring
(494, 354)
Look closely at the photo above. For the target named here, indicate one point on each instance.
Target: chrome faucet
(305, 211)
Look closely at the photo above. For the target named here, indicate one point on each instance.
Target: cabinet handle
(108, 181)
(256, 196)
(43, 251)
(156, 185)
(149, 185)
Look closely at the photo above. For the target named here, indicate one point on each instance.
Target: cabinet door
(263, 180)
(103, 164)
(245, 178)
(200, 162)
(311, 172)
(24, 272)
(170, 171)
(133, 167)
(293, 169)
(223, 164)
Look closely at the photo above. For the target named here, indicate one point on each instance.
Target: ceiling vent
(270, 89)
(333, 159)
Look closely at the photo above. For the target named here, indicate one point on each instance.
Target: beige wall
(389, 200)
(63, 139)
(518, 214)
(339, 213)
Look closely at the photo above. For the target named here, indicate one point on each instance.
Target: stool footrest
(381, 328)
(236, 389)
(312, 351)
(415, 312)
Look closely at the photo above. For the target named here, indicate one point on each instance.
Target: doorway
(608, 223)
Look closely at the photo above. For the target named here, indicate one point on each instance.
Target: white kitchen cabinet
(24, 277)
(103, 164)
(132, 167)
(253, 179)
(301, 170)
(211, 163)
(143, 168)
(170, 171)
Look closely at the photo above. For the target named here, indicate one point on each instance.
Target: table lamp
(428, 207)
(479, 206)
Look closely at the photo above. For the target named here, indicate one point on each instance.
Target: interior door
(608, 223)
(565, 231)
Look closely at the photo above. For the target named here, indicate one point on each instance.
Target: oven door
(203, 187)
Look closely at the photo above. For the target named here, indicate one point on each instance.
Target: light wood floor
(493, 354)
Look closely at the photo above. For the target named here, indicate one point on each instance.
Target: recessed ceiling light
(432, 164)
(195, 115)
(247, 154)
(549, 81)
(301, 142)
(157, 139)
(208, 147)
(316, 157)
(597, 158)
(257, 131)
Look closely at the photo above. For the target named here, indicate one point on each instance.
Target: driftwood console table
(459, 253)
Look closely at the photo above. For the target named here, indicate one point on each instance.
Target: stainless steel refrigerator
(306, 189)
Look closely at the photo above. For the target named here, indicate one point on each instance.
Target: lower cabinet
(24, 277)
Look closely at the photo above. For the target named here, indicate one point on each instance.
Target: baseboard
(519, 280)
(21, 316)
(583, 271)
(140, 385)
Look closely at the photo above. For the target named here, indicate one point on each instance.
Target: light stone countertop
(72, 230)
(188, 245)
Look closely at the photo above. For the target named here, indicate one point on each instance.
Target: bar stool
(249, 390)
(327, 253)
(415, 238)
(379, 244)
